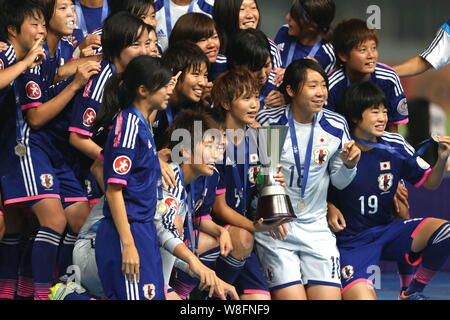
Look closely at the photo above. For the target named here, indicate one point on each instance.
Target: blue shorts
(39, 175)
(93, 190)
(361, 253)
(252, 279)
(108, 254)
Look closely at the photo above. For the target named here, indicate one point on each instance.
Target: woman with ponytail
(127, 248)
(309, 22)
(124, 37)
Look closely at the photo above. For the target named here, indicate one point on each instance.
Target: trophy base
(273, 208)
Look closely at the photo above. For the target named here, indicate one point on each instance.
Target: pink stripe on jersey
(79, 199)
(26, 199)
(220, 191)
(94, 201)
(419, 227)
(118, 132)
(81, 131)
(101, 156)
(31, 105)
(117, 181)
(424, 275)
(404, 121)
(425, 177)
(252, 291)
(356, 282)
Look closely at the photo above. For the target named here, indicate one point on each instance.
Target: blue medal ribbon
(293, 47)
(169, 15)
(19, 116)
(82, 20)
(297, 151)
(423, 146)
(241, 187)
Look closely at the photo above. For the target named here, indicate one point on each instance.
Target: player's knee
(243, 245)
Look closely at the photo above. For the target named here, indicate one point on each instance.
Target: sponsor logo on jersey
(122, 165)
(149, 291)
(385, 166)
(422, 163)
(2, 65)
(46, 180)
(385, 181)
(33, 90)
(171, 203)
(402, 107)
(348, 272)
(89, 117)
(321, 156)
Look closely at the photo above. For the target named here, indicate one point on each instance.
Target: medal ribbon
(82, 20)
(293, 46)
(169, 15)
(297, 151)
(241, 187)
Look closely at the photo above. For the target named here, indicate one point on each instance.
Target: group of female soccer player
(107, 193)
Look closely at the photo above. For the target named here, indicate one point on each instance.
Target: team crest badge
(89, 117)
(385, 166)
(122, 165)
(385, 181)
(47, 180)
(253, 174)
(33, 90)
(348, 272)
(321, 156)
(2, 65)
(171, 203)
(149, 291)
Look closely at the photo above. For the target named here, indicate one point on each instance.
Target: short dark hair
(184, 56)
(186, 120)
(14, 13)
(359, 97)
(230, 86)
(317, 12)
(192, 26)
(250, 48)
(226, 16)
(295, 75)
(119, 32)
(350, 33)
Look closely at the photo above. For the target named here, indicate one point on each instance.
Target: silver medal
(301, 205)
(20, 150)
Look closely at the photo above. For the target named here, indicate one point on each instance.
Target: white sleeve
(164, 221)
(438, 53)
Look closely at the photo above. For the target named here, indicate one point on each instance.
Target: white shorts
(308, 256)
(84, 258)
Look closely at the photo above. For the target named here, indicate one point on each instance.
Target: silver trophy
(273, 204)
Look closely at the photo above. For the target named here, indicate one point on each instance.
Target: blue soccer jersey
(368, 201)
(87, 103)
(438, 53)
(63, 54)
(237, 175)
(386, 78)
(7, 59)
(292, 50)
(130, 159)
